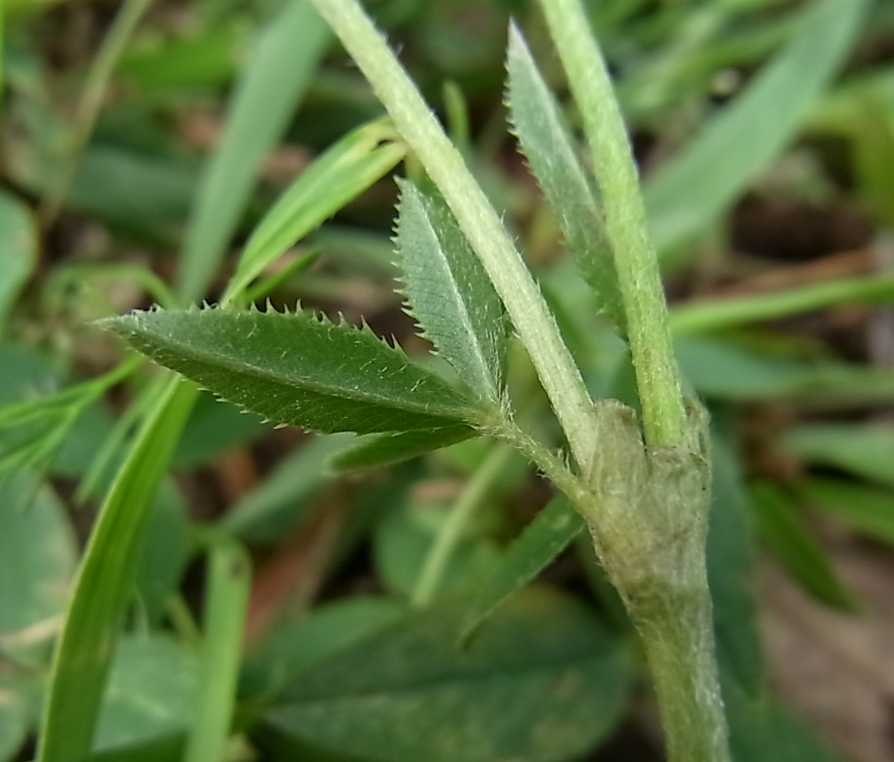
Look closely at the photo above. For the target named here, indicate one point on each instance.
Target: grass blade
(449, 294)
(697, 185)
(298, 369)
(347, 169)
(104, 584)
(229, 585)
(286, 55)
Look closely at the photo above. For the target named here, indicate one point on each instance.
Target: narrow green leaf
(804, 558)
(690, 191)
(347, 169)
(542, 540)
(386, 449)
(864, 449)
(285, 56)
(18, 243)
(229, 585)
(449, 294)
(570, 192)
(104, 584)
(867, 509)
(298, 369)
(542, 682)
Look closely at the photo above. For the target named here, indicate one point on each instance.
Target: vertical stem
(677, 631)
(505, 267)
(657, 376)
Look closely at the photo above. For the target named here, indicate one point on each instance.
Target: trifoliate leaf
(551, 153)
(449, 293)
(299, 369)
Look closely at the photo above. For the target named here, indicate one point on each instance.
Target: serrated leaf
(298, 369)
(449, 293)
(542, 540)
(385, 449)
(542, 682)
(552, 156)
(347, 169)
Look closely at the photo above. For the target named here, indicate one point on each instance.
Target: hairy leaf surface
(449, 292)
(298, 369)
(551, 153)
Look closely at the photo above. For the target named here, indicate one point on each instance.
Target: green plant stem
(677, 631)
(469, 501)
(657, 375)
(479, 222)
(716, 314)
(229, 585)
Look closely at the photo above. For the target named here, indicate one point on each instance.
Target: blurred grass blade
(570, 192)
(299, 369)
(541, 541)
(449, 294)
(18, 244)
(867, 509)
(715, 314)
(864, 449)
(793, 545)
(283, 61)
(387, 449)
(347, 169)
(229, 586)
(105, 581)
(688, 192)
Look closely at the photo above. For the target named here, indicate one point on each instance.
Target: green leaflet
(541, 541)
(19, 246)
(385, 449)
(552, 155)
(449, 294)
(299, 369)
(542, 682)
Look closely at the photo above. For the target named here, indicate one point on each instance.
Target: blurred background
(141, 142)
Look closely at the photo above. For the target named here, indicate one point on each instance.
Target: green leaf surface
(863, 449)
(15, 717)
(283, 60)
(214, 428)
(341, 174)
(694, 187)
(148, 700)
(297, 369)
(302, 641)
(18, 242)
(552, 529)
(104, 583)
(387, 449)
(793, 545)
(449, 294)
(570, 192)
(541, 682)
(38, 557)
(867, 509)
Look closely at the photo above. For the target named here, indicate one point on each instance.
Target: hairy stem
(657, 375)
